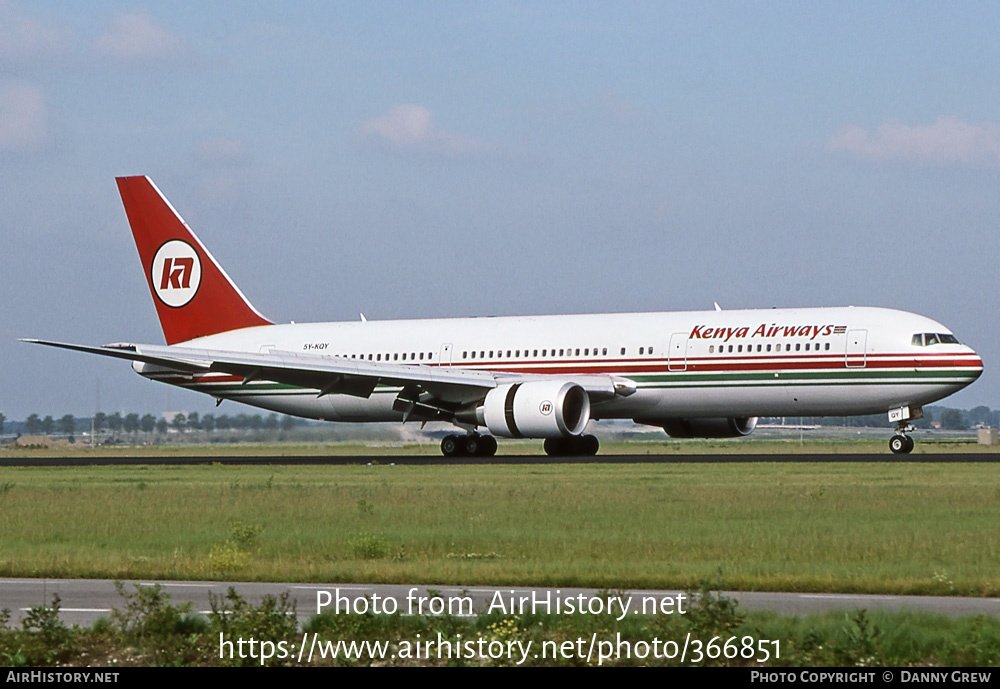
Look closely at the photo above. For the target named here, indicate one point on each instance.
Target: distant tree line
(132, 424)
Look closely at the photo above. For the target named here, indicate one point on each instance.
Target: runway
(85, 600)
(432, 460)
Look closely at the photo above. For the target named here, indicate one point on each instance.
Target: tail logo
(175, 273)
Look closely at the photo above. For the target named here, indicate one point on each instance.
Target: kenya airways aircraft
(694, 374)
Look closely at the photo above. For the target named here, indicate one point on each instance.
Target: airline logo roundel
(175, 273)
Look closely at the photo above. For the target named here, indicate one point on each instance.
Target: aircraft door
(677, 354)
(857, 343)
(445, 359)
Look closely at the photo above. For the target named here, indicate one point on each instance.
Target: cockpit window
(928, 339)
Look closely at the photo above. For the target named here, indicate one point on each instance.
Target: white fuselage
(776, 362)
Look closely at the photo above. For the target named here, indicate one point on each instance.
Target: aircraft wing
(449, 386)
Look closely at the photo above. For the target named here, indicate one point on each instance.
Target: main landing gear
(471, 445)
(901, 444)
(580, 445)
(475, 445)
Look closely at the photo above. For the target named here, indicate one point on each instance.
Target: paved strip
(432, 460)
(85, 600)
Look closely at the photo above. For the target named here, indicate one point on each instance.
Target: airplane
(705, 374)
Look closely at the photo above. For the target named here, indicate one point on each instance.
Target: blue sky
(458, 159)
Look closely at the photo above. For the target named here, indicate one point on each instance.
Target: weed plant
(151, 630)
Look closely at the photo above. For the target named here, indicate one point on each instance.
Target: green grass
(877, 527)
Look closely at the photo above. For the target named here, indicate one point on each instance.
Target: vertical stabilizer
(193, 295)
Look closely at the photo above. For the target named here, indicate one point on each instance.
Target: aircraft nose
(975, 364)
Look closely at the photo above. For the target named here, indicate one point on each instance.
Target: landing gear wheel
(449, 446)
(901, 444)
(582, 445)
(487, 446)
(471, 445)
(554, 447)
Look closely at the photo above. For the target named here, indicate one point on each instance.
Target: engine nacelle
(710, 428)
(543, 409)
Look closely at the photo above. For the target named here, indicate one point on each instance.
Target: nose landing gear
(901, 443)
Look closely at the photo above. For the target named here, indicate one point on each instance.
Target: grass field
(878, 527)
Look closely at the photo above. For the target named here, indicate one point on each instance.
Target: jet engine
(710, 428)
(542, 409)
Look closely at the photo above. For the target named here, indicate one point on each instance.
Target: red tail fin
(192, 293)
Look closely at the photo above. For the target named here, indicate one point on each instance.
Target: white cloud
(223, 152)
(22, 117)
(24, 39)
(136, 37)
(948, 141)
(411, 128)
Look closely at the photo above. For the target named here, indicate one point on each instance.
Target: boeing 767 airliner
(706, 374)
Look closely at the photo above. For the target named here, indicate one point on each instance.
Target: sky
(441, 159)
